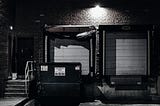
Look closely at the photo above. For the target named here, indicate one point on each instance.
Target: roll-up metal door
(125, 50)
(125, 53)
(131, 56)
(69, 50)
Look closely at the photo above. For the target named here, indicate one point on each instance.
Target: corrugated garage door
(67, 50)
(131, 56)
(125, 53)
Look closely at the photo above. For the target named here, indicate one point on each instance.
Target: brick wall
(82, 12)
(38, 48)
(3, 43)
(62, 12)
(3, 53)
(31, 14)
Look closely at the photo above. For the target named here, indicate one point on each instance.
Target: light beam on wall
(97, 12)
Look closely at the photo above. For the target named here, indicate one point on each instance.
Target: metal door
(24, 54)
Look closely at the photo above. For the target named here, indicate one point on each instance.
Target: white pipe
(84, 34)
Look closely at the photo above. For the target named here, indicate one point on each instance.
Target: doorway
(25, 49)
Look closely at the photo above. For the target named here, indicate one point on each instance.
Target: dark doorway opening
(24, 53)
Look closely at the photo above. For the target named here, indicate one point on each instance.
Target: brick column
(4, 29)
(38, 47)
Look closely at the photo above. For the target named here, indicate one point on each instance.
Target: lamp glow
(97, 12)
(11, 27)
(97, 7)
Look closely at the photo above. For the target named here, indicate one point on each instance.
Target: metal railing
(28, 70)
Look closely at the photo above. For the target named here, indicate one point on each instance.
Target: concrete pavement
(99, 103)
(15, 101)
(11, 101)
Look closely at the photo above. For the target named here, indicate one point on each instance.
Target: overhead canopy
(77, 31)
(69, 28)
(71, 43)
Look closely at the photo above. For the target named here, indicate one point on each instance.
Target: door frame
(16, 54)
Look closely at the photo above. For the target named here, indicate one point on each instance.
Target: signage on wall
(59, 71)
(44, 68)
(77, 68)
(126, 28)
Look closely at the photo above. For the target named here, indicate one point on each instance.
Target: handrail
(28, 69)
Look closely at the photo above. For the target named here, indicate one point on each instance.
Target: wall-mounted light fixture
(11, 27)
(41, 15)
(97, 7)
(97, 12)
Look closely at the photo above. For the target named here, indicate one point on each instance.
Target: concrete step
(15, 94)
(16, 82)
(15, 86)
(15, 90)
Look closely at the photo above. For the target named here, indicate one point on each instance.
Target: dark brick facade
(62, 12)
(4, 31)
(38, 47)
(31, 15)
(28, 16)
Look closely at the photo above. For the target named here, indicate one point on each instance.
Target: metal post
(104, 40)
